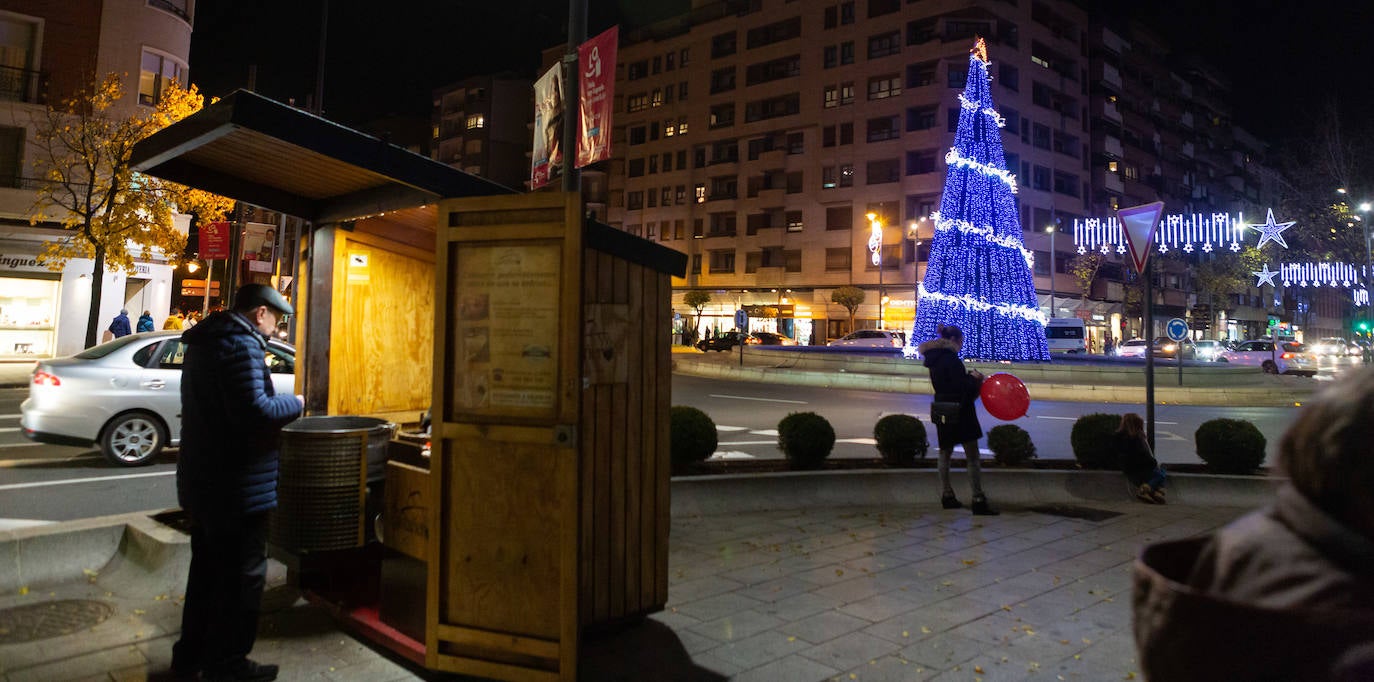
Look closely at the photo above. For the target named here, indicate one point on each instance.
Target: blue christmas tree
(979, 273)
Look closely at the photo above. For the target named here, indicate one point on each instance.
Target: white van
(1066, 335)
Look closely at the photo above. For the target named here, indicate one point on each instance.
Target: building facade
(757, 136)
(482, 126)
(49, 51)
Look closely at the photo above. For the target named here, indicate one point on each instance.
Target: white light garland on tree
(1024, 312)
(964, 226)
(954, 158)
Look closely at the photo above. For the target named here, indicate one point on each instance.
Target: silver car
(871, 338)
(124, 395)
(1290, 357)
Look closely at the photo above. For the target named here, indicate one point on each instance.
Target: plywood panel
(381, 336)
(502, 567)
(662, 304)
(634, 446)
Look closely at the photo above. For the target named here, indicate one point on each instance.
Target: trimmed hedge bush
(1010, 445)
(692, 437)
(1091, 439)
(1230, 446)
(901, 439)
(806, 438)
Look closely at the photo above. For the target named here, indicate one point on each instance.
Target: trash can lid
(336, 424)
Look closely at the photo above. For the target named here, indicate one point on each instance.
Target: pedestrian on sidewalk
(1285, 592)
(145, 321)
(175, 320)
(227, 483)
(954, 384)
(1138, 462)
(119, 326)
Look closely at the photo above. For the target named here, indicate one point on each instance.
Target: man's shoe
(1158, 495)
(242, 670)
(949, 501)
(982, 508)
(1146, 494)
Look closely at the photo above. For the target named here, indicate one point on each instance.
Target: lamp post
(875, 244)
(1050, 229)
(1368, 261)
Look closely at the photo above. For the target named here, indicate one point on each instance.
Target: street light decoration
(978, 272)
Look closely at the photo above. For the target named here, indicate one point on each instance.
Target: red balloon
(1005, 397)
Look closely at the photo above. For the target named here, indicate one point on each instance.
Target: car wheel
(1269, 367)
(133, 439)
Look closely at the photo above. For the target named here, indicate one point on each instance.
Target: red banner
(595, 96)
(214, 240)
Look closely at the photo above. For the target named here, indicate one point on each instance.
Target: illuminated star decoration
(1271, 231)
(1266, 277)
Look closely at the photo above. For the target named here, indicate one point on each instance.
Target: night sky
(1284, 58)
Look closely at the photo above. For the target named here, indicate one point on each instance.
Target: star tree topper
(1266, 277)
(1272, 231)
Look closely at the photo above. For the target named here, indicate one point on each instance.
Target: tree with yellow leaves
(113, 214)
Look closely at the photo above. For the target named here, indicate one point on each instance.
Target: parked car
(1135, 348)
(1331, 346)
(870, 338)
(771, 339)
(1208, 349)
(1164, 347)
(1291, 357)
(726, 340)
(123, 396)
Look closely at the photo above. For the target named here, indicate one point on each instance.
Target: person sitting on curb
(1138, 463)
(1285, 592)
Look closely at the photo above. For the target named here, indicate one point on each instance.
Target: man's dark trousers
(219, 623)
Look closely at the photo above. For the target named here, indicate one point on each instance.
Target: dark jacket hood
(934, 345)
(1186, 633)
(219, 324)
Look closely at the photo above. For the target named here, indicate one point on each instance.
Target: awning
(256, 150)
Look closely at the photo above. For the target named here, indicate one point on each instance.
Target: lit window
(1111, 166)
(476, 121)
(156, 72)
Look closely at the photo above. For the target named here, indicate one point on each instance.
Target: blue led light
(979, 276)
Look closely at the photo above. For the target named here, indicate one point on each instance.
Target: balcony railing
(23, 85)
(177, 7)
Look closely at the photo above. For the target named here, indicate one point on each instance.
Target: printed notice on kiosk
(506, 330)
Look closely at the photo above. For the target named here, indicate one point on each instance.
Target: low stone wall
(51, 554)
(743, 493)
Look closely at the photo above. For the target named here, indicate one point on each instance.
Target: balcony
(1112, 146)
(1111, 76)
(1110, 181)
(23, 85)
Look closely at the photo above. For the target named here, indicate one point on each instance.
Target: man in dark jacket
(953, 383)
(119, 326)
(227, 483)
(1286, 592)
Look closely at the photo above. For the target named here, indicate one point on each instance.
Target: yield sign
(1138, 224)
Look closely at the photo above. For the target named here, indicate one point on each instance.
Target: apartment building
(757, 135)
(482, 126)
(48, 51)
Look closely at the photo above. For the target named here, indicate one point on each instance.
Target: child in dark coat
(1137, 462)
(953, 383)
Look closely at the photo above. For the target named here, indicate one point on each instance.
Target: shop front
(43, 313)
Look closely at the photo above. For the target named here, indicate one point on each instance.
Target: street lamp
(875, 244)
(1050, 229)
(1368, 261)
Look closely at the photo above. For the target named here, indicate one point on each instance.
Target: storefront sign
(20, 262)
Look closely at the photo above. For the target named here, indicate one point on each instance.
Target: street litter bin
(326, 465)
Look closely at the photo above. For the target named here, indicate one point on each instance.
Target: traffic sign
(1138, 225)
(741, 320)
(1177, 329)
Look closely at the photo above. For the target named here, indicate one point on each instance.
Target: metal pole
(577, 34)
(1368, 271)
(209, 278)
(1052, 270)
(1148, 304)
(880, 280)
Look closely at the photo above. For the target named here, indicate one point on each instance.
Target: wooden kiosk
(545, 508)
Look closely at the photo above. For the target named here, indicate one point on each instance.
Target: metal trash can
(325, 466)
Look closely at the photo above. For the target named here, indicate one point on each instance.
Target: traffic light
(1362, 326)
(1273, 321)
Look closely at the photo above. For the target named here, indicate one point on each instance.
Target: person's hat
(250, 296)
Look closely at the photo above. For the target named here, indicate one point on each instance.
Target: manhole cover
(1073, 512)
(33, 622)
